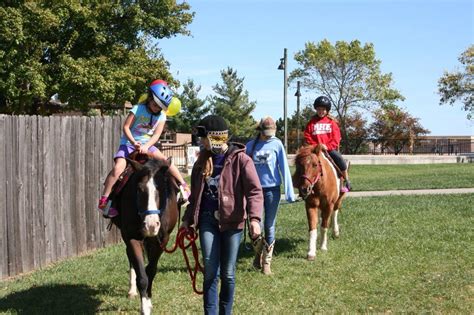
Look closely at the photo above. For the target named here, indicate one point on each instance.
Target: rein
(191, 236)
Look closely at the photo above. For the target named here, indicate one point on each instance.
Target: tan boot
(257, 245)
(267, 258)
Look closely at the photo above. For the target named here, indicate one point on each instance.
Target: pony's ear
(166, 165)
(317, 149)
(165, 168)
(136, 166)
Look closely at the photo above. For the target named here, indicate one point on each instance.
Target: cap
(267, 126)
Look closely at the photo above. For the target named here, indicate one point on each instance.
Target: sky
(416, 41)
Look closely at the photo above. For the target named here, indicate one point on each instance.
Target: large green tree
(231, 102)
(459, 85)
(394, 128)
(192, 111)
(86, 51)
(348, 73)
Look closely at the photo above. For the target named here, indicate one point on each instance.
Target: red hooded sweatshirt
(323, 131)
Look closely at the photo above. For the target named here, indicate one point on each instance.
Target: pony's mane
(305, 151)
(152, 165)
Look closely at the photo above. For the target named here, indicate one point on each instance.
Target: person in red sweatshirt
(323, 129)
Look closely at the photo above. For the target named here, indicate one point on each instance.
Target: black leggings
(338, 159)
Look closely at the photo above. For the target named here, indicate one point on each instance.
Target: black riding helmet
(322, 101)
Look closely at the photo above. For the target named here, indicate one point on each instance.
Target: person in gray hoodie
(225, 190)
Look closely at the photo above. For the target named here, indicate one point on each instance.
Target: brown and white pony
(319, 186)
(148, 213)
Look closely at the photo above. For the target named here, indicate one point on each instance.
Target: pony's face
(151, 198)
(307, 171)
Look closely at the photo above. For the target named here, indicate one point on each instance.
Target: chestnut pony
(148, 213)
(319, 186)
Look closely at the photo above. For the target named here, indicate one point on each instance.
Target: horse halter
(312, 182)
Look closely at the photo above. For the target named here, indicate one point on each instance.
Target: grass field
(396, 254)
(414, 176)
(411, 176)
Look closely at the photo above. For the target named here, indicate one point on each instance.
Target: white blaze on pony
(319, 185)
(152, 221)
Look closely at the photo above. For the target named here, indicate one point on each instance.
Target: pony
(319, 185)
(148, 209)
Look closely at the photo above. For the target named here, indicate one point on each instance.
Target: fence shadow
(54, 299)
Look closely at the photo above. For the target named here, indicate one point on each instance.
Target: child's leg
(339, 160)
(119, 167)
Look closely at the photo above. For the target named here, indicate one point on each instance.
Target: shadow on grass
(55, 299)
(282, 245)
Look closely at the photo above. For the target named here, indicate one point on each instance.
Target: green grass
(410, 254)
(414, 176)
(410, 176)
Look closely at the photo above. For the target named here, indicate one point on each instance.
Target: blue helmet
(162, 95)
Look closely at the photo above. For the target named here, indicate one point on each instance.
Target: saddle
(123, 178)
(338, 171)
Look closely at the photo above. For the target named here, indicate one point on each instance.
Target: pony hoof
(310, 257)
(132, 295)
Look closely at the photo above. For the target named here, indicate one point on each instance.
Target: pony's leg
(325, 216)
(312, 214)
(135, 256)
(132, 291)
(335, 224)
(154, 251)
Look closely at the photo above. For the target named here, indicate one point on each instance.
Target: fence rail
(51, 170)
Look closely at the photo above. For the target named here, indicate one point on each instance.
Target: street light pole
(283, 66)
(298, 94)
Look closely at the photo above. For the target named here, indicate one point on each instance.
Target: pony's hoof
(310, 257)
(132, 295)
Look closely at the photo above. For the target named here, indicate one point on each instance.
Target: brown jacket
(239, 189)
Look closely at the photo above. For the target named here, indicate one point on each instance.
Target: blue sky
(416, 41)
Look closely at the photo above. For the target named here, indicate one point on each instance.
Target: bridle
(314, 180)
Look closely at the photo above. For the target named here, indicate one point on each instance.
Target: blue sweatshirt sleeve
(285, 170)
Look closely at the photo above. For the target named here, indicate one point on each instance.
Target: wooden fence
(51, 175)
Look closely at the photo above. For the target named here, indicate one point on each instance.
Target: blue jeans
(219, 252)
(271, 201)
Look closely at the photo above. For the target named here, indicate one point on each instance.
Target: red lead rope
(190, 235)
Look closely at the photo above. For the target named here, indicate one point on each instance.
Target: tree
(232, 103)
(459, 86)
(358, 133)
(192, 111)
(86, 51)
(394, 128)
(347, 73)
